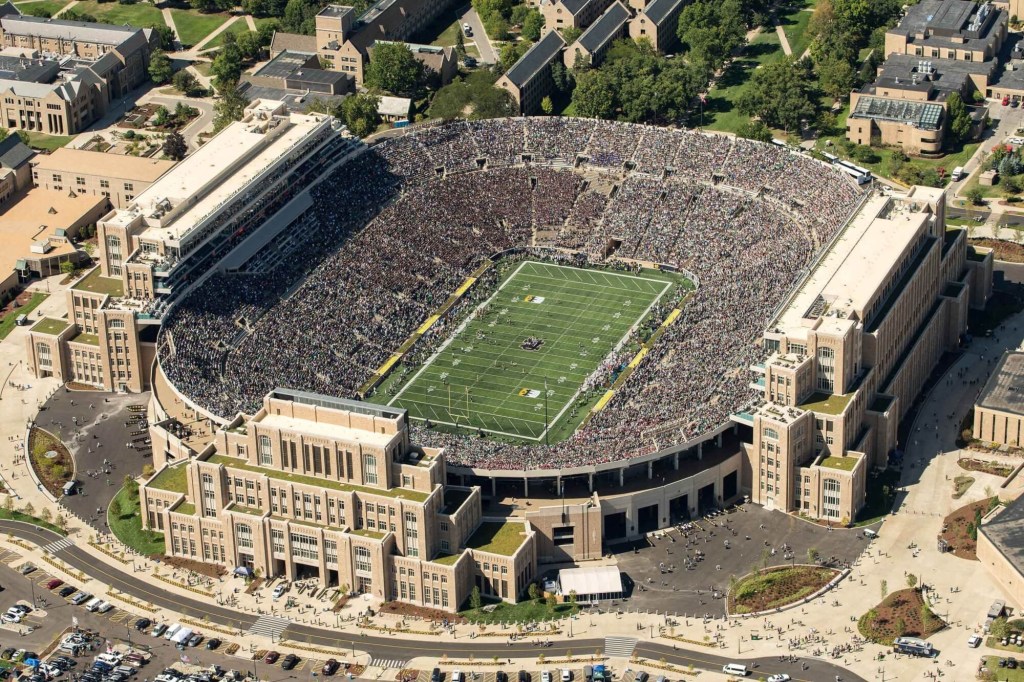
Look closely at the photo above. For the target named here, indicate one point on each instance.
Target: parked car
(142, 624)
(974, 641)
(212, 644)
(195, 639)
(54, 583)
(67, 591)
(467, 29)
(80, 598)
(11, 616)
(7, 653)
(279, 590)
(159, 629)
(289, 662)
(23, 608)
(435, 675)
(469, 62)
(27, 568)
(330, 667)
(104, 607)
(566, 675)
(457, 676)
(781, 677)
(545, 676)
(271, 657)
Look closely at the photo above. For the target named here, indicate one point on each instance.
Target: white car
(974, 641)
(104, 607)
(545, 676)
(458, 677)
(1016, 140)
(51, 670)
(566, 675)
(11, 616)
(280, 590)
(467, 29)
(781, 677)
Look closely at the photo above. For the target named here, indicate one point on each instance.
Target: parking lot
(97, 427)
(688, 573)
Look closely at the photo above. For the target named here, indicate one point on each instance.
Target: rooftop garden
(497, 538)
(98, 284)
(827, 403)
(50, 325)
(8, 320)
(367, 533)
(446, 559)
(89, 339)
(172, 478)
(186, 508)
(242, 509)
(236, 463)
(842, 463)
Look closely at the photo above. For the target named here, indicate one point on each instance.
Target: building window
(277, 540)
(363, 560)
(266, 452)
(370, 469)
(304, 546)
(243, 535)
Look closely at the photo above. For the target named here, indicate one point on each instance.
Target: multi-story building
(529, 80)
(656, 22)
(939, 47)
(170, 236)
(119, 178)
(562, 14)
(68, 71)
(315, 487)
(853, 347)
(15, 172)
(999, 410)
(592, 45)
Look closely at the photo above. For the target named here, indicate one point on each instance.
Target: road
(192, 130)
(468, 15)
(395, 648)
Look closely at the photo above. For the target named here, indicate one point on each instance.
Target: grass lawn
(524, 612)
(992, 664)
(794, 23)
(487, 377)
(720, 111)
(203, 68)
(776, 587)
(7, 323)
(21, 516)
(47, 142)
(53, 472)
(51, 7)
(115, 13)
(127, 526)
(193, 26)
(237, 28)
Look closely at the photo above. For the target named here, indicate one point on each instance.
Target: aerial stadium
(605, 328)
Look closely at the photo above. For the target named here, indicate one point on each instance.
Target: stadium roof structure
(543, 52)
(1004, 390)
(607, 27)
(921, 115)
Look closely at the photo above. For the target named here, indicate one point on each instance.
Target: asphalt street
(397, 648)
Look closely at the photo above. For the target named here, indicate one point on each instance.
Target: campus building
(119, 178)
(15, 172)
(58, 76)
(999, 410)
(315, 487)
(852, 349)
(592, 45)
(169, 236)
(562, 14)
(656, 22)
(529, 80)
(938, 48)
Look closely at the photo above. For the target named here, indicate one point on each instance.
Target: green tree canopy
(710, 30)
(781, 94)
(593, 96)
(360, 114)
(185, 83)
(227, 65)
(175, 147)
(959, 117)
(160, 68)
(394, 69)
(474, 96)
(230, 107)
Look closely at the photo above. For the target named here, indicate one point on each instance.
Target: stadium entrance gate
(706, 499)
(679, 509)
(647, 519)
(730, 485)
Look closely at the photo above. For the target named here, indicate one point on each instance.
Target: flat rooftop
(1004, 390)
(324, 430)
(1004, 532)
(37, 216)
(498, 537)
(212, 174)
(95, 282)
(114, 166)
(849, 276)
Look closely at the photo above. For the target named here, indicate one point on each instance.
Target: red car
(1006, 100)
(271, 657)
(54, 584)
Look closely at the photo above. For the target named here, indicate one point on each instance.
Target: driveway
(192, 130)
(468, 15)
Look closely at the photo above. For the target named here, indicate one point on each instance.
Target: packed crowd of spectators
(393, 233)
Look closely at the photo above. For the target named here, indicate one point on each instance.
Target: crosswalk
(620, 647)
(388, 663)
(57, 545)
(269, 626)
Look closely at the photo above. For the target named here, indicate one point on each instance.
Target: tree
(162, 116)
(360, 114)
(460, 45)
(160, 68)
(29, 509)
(147, 470)
(755, 130)
(67, 267)
(393, 68)
(781, 94)
(230, 107)
(836, 77)
(510, 54)
(227, 65)
(561, 77)
(571, 34)
(901, 627)
(531, 591)
(300, 16)
(185, 83)
(474, 598)
(572, 599)
(46, 515)
(551, 603)
(884, 588)
(164, 36)
(975, 196)
(593, 97)
(532, 25)
(959, 118)
(211, 5)
(131, 486)
(812, 555)
(175, 147)
(547, 106)
(911, 580)
(711, 30)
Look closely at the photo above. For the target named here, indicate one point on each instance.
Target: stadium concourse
(393, 233)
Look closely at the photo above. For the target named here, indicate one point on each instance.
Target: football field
(546, 328)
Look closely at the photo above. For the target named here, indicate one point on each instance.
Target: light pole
(32, 586)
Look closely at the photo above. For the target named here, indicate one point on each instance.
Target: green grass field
(193, 26)
(115, 13)
(483, 378)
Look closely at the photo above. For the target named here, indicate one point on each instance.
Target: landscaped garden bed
(50, 460)
(960, 528)
(126, 523)
(999, 469)
(777, 587)
(902, 613)
(1004, 250)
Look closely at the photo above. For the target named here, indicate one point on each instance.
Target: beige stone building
(853, 348)
(591, 46)
(314, 487)
(562, 14)
(151, 248)
(119, 178)
(529, 80)
(15, 171)
(999, 410)
(657, 22)
(1001, 550)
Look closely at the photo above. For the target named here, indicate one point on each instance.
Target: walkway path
(65, 8)
(169, 19)
(220, 29)
(251, 22)
(783, 39)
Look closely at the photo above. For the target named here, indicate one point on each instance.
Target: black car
(1011, 663)
(524, 676)
(142, 624)
(330, 667)
(435, 676)
(212, 644)
(67, 590)
(500, 676)
(289, 662)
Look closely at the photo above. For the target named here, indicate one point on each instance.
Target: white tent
(591, 584)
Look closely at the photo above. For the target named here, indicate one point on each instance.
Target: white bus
(861, 175)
